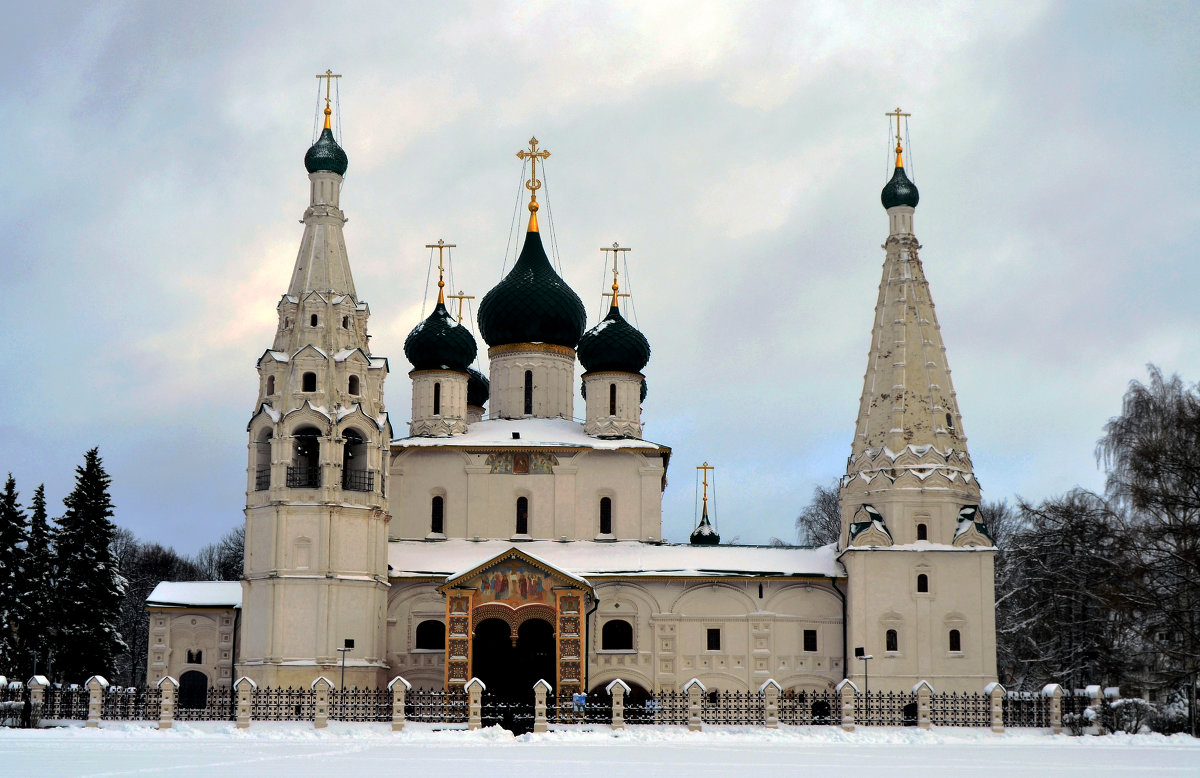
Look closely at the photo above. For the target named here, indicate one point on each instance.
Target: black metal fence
(810, 708)
(68, 703)
(436, 706)
(219, 705)
(130, 704)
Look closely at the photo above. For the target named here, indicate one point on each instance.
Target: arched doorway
(510, 668)
(193, 690)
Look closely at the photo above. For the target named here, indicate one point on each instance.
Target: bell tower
(315, 569)
(921, 593)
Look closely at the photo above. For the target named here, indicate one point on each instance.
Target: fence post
(923, 691)
(617, 690)
(540, 689)
(475, 689)
(168, 687)
(245, 693)
(96, 686)
(695, 694)
(37, 686)
(847, 690)
(322, 686)
(1096, 703)
(770, 690)
(399, 688)
(1054, 692)
(995, 691)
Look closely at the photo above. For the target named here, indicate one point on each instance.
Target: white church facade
(497, 537)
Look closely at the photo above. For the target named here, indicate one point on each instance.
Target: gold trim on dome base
(540, 348)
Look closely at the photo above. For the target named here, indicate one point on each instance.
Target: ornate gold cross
(441, 246)
(460, 297)
(705, 468)
(898, 113)
(533, 155)
(615, 249)
(328, 75)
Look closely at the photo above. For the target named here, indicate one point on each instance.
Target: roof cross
(328, 75)
(615, 293)
(441, 246)
(460, 297)
(704, 468)
(533, 184)
(898, 113)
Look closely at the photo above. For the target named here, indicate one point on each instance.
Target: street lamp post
(348, 647)
(861, 653)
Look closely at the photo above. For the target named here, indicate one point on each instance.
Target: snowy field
(360, 750)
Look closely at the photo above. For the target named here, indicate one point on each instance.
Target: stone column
(399, 688)
(1054, 692)
(770, 690)
(37, 686)
(617, 690)
(539, 705)
(695, 694)
(995, 693)
(1096, 703)
(923, 691)
(168, 688)
(322, 686)
(475, 689)
(846, 689)
(245, 694)
(96, 686)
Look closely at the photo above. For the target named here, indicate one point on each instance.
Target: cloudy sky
(154, 181)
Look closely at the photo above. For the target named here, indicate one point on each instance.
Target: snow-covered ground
(360, 750)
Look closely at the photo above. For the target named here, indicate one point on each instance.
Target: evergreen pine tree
(89, 585)
(36, 636)
(12, 536)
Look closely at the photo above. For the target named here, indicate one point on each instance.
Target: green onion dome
(326, 155)
(899, 191)
(705, 534)
(532, 304)
(440, 343)
(614, 344)
(478, 388)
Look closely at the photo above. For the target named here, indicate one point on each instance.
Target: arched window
(305, 470)
(891, 641)
(262, 461)
(528, 392)
(616, 635)
(612, 399)
(345, 322)
(922, 532)
(312, 320)
(522, 516)
(270, 385)
(922, 583)
(955, 640)
(437, 399)
(353, 387)
(437, 515)
(194, 657)
(605, 515)
(431, 635)
(193, 690)
(308, 382)
(355, 475)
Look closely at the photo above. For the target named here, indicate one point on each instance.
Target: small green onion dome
(326, 155)
(899, 191)
(440, 343)
(614, 344)
(478, 388)
(532, 304)
(705, 534)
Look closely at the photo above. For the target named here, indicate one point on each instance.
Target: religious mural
(514, 584)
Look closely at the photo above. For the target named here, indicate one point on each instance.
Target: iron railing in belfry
(303, 477)
(262, 478)
(358, 480)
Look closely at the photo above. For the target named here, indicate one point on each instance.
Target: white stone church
(498, 537)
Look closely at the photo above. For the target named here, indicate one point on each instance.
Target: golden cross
(616, 249)
(460, 297)
(898, 113)
(533, 155)
(441, 246)
(328, 75)
(705, 467)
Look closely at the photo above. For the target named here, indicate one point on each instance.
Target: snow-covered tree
(40, 593)
(12, 604)
(89, 585)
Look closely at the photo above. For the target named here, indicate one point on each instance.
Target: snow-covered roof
(534, 433)
(196, 594)
(589, 559)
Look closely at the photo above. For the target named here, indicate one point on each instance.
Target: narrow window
(922, 583)
(528, 392)
(345, 322)
(810, 640)
(949, 422)
(891, 641)
(605, 516)
(312, 320)
(262, 464)
(353, 385)
(436, 513)
(437, 399)
(616, 635)
(270, 385)
(612, 399)
(955, 640)
(431, 635)
(194, 657)
(760, 591)
(309, 382)
(714, 638)
(522, 515)
(922, 532)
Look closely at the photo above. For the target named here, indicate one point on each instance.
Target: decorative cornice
(536, 348)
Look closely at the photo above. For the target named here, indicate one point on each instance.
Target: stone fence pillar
(96, 686)
(770, 691)
(846, 689)
(245, 688)
(995, 693)
(322, 687)
(37, 686)
(1054, 692)
(540, 690)
(695, 694)
(617, 690)
(475, 689)
(168, 689)
(923, 691)
(399, 688)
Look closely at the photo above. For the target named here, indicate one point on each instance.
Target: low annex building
(515, 543)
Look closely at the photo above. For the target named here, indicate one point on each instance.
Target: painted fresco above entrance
(514, 584)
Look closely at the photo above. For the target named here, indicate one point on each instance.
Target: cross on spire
(899, 148)
(704, 468)
(328, 75)
(460, 297)
(441, 246)
(615, 294)
(533, 184)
